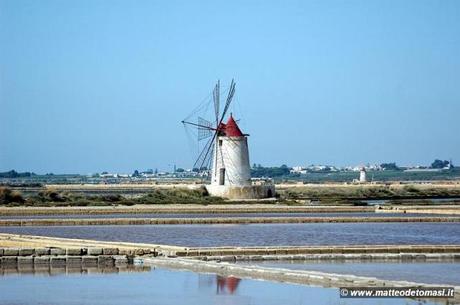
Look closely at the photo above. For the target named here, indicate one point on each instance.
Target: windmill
(223, 149)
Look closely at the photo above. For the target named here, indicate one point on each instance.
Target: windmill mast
(216, 111)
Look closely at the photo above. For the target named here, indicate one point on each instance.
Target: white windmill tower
(226, 153)
(362, 175)
(230, 165)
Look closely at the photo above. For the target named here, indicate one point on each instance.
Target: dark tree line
(440, 163)
(15, 174)
(258, 171)
(389, 166)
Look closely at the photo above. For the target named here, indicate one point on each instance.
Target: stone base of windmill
(242, 192)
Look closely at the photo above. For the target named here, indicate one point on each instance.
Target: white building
(362, 175)
(298, 170)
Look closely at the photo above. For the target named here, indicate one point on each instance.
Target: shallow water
(260, 234)
(208, 215)
(166, 287)
(447, 273)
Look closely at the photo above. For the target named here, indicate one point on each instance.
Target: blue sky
(88, 86)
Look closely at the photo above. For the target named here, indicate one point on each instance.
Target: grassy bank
(288, 194)
(328, 193)
(51, 197)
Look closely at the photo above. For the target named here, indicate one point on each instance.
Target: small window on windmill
(220, 143)
(222, 176)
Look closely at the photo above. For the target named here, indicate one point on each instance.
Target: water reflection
(52, 270)
(225, 285)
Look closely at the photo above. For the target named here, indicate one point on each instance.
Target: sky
(92, 86)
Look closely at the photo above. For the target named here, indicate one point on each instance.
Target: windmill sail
(206, 130)
(216, 98)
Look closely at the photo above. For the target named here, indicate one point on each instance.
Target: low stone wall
(184, 208)
(400, 257)
(126, 248)
(216, 220)
(255, 252)
(242, 192)
(61, 257)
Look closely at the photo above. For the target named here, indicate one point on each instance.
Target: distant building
(298, 170)
(362, 175)
(449, 165)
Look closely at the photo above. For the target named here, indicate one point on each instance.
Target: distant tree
(439, 163)
(15, 174)
(261, 171)
(389, 166)
(136, 173)
(180, 170)
(10, 174)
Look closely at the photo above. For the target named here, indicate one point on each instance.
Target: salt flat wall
(242, 192)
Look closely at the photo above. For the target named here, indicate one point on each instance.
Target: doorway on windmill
(222, 176)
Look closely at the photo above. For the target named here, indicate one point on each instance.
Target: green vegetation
(258, 171)
(290, 195)
(358, 192)
(179, 196)
(51, 197)
(389, 166)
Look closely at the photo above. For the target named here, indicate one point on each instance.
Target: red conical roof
(232, 129)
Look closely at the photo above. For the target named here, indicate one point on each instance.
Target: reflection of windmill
(227, 284)
(224, 150)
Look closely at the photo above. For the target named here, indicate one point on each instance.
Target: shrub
(112, 198)
(51, 195)
(9, 196)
